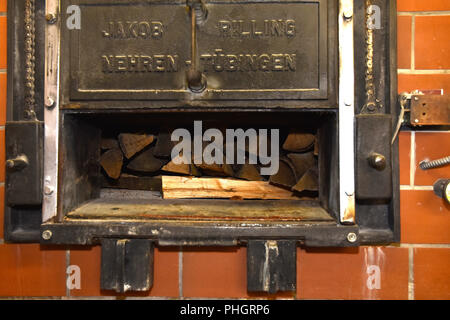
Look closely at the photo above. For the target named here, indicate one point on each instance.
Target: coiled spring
(425, 164)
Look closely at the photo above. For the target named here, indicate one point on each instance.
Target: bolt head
(48, 190)
(47, 235)
(51, 18)
(49, 102)
(348, 14)
(377, 161)
(352, 237)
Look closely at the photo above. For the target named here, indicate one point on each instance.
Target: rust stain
(72, 106)
(349, 213)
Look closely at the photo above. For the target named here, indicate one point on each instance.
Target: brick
(408, 83)
(404, 157)
(165, 281)
(432, 273)
(3, 5)
(31, 271)
(219, 273)
(432, 146)
(2, 99)
(2, 210)
(352, 273)
(3, 48)
(2, 155)
(432, 43)
(422, 5)
(424, 217)
(215, 273)
(404, 26)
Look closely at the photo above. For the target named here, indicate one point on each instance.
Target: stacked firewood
(298, 169)
(134, 156)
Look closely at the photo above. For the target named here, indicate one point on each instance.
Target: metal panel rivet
(51, 18)
(352, 237)
(48, 190)
(348, 14)
(49, 102)
(47, 235)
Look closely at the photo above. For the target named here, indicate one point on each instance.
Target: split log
(216, 170)
(302, 162)
(249, 172)
(175, 187)
(109, 143)
(228, 170)
(211, 169)
(131, 143)
(298, 141)
(186, 169)
(146, 162)
(177, 168)
(285, 177)
(309, 181)
(112, 161)
(164, 144)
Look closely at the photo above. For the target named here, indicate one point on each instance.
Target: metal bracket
(51, 113)
(346, 113)
(24, 154)
(430, 110)
(271, 266)
(127, 265)
(373, 157)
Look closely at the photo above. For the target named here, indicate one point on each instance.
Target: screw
(196, 81)
(51, 18)
(48, 190)
(352, 237)
(47, 235)
(49, 103)
(416, 121)
(416, 98)
(348, 14)
(371, 106)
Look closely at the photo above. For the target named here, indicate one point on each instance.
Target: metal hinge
(424, 108)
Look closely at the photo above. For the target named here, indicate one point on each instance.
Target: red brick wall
(418, 268)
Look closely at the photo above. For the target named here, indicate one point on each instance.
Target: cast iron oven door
(102, 69)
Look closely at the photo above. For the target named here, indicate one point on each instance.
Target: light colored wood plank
(214, 188)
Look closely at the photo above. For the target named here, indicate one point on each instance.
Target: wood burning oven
(98, 90)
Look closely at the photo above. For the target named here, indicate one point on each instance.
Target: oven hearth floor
(202, 210)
